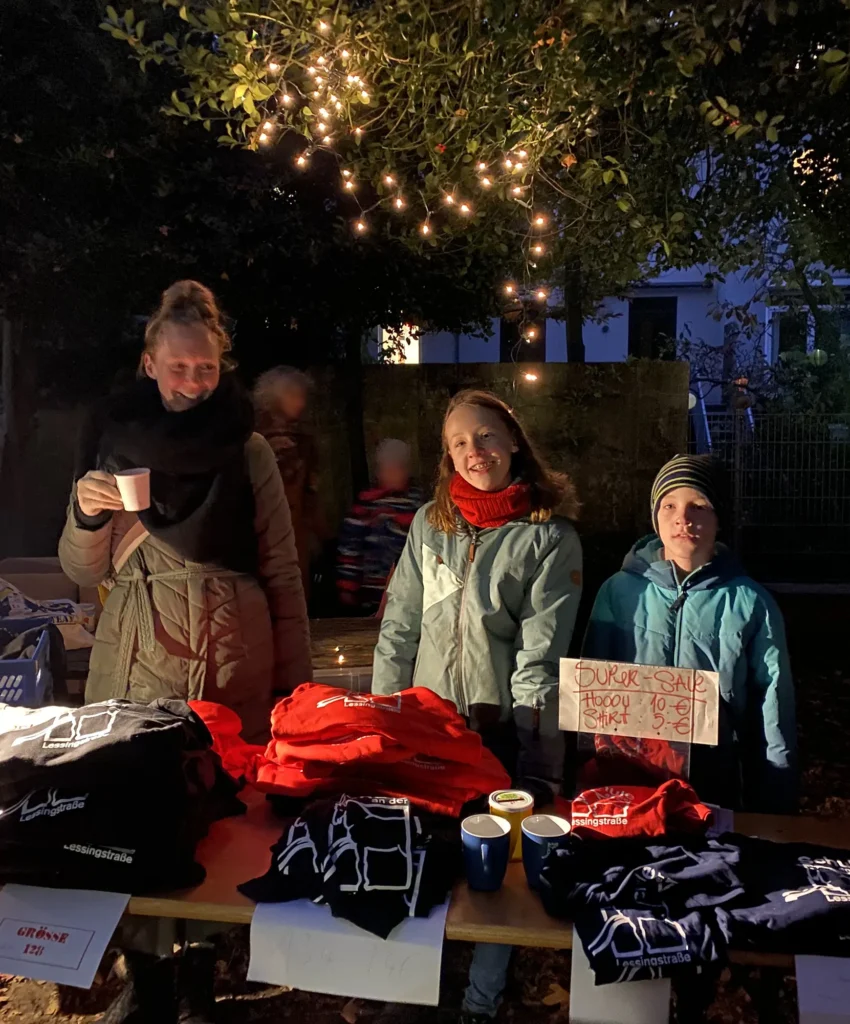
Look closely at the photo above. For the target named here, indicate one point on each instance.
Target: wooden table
(237, 849)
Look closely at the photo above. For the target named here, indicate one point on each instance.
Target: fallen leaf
(351, 1011)
(557, 996)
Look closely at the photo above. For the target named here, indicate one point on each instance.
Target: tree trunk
(19, 405)
(354, 413)
(575, 315)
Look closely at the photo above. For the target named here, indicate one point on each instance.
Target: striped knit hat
(701, 472)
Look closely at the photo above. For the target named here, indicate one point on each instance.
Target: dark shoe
(149, 994)
(195, 984)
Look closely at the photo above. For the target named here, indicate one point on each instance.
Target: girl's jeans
(488, 975)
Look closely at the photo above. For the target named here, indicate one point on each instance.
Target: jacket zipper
(461, 701)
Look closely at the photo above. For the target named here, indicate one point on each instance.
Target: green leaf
(238, 70)
(129, 18)
(839, 80)
(735, 45)
(112, 13)
(624, 177)
(772, 135)
(184, 14)
(833, 56)
(761, 116)
(677, 217)
(140, 29)
(169, 40)
(434, 41)
(623, 205)
(744, 129)
(248, 104)
(608, 177)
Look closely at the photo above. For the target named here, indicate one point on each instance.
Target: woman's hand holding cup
(97, 492)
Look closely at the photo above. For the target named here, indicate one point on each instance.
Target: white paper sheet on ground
(823, 989)
(724, 821)
(56, 934)
(646, 701)
(304, 946)
(631, 1002)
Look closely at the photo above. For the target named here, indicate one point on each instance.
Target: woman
(209, 605)
(280, 398)
(482, 607)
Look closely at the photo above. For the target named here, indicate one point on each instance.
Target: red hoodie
(618, 811)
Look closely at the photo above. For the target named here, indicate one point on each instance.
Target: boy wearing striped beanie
(683, 600)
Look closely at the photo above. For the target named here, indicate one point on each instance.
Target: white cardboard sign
(304, 946)
(644, 701)
(56, 934)
(823, 989)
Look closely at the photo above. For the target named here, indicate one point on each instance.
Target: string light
(530, 377)
(316, 94)
(482, 167)
(537, 250)
(364, 96)
(338, 105)
(517, 190)
(399, 203)
(327, 140)
(321, 60)
(312, 72)
(540, 221)
(346, 174)
(360, 226)
(465, 209)
(425, 228)
(321, 127)
(273, 67)
(302, 161)
(323, 113)
(522, 154)
(486, 183)
(358, 134)
(350, 185)
(531, 335)
(324, 26)
(263, 137)
(389, 180)
(517, 168)
(509, 164)
(345, 54)
(341, 659)
(448, 199)
(509, 289)
(286, 99)
(542, 295)
(268, 126)
(320, 81)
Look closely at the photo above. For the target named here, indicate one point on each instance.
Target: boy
(681, 599)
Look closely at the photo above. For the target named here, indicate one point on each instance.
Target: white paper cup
(134, 486)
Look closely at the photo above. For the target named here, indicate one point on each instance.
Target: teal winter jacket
(717, 619)
(482, 617)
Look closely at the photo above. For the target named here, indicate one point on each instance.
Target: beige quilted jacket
(172, 628)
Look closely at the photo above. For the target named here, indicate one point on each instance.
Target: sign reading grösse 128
(645, 701)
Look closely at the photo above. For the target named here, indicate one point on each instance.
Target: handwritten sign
(646, 701)
(304, 946)
(56, 934)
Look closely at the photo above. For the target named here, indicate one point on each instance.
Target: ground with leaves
(539, 988)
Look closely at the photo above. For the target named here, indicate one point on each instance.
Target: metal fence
(790, 483)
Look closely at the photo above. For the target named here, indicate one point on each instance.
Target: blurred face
(293, 401)
(480, 446)
(687, 526)
(393, 474)
(185, 365)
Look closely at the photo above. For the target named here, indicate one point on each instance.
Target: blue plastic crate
(25, 681)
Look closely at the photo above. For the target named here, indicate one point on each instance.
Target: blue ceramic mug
(541, 833)
(486, 850)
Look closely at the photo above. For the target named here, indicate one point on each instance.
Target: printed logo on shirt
(70, 728)
(428, 763)
(39, 804)
(596, 808)
(628, 939)
(830, 878)
(110, 853)
(365, 700)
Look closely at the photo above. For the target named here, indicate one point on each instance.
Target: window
(652, 327)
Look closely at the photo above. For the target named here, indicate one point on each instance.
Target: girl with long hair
(482, 606)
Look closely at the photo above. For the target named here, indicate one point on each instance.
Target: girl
(209, 603)
(482, 607)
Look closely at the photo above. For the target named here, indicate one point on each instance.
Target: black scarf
(202, 501)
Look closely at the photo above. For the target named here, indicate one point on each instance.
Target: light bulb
(537, 250)
(338, 105)
(301, 161)
(358, 133)
(320, 81)
(389, 180)
(345, 54)
(539, 221)
(509, 164)
(482, 167)
(327, 140)
(341, 659)
(324, 26)
(486, 182)
(346, 174)
(273, 67)
(364, 96)
(517, 168)
(312, 71)
(517, 190)
(321, 60)
(263, 137)
(464, 208)
(321, 127)
(425, 228)
(532, 334)
(316, 94)
(448, 199)
(522, 154)
(530, 377)
(509, 289)
(360, 226)
(286, 99)
(268, 126)
(399, 203)
(350, 186)
(541, 294)
(324, 113)
(351, 79)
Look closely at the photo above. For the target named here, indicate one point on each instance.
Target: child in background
(374, 532)
(683, 600)
(482, 606)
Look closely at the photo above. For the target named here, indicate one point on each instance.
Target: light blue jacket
(482, 617)
(719, 620)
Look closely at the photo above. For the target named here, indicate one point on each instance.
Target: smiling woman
(204, 592)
